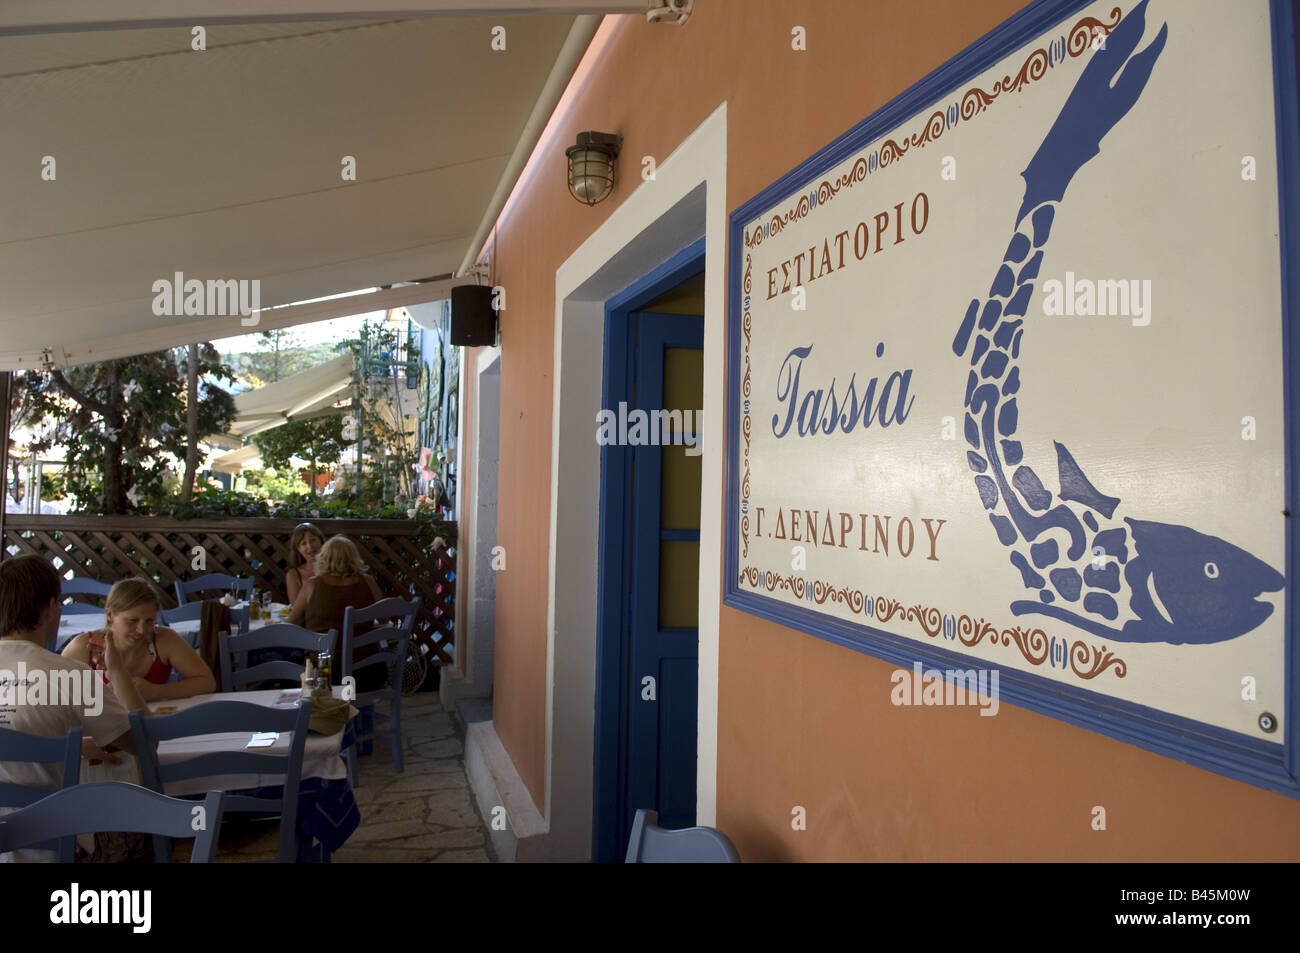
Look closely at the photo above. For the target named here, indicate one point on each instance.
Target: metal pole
(6, 382)
(361, 408)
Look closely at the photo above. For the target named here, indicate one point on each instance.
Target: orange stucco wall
(802, 722)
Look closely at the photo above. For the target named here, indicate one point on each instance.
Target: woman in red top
(149, 653)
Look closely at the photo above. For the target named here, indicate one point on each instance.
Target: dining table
(71, 626)
(327, 810)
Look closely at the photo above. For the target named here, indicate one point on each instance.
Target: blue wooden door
(664, 550)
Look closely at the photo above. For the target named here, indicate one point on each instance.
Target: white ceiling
(225, 163)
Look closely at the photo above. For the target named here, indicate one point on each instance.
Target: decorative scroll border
(1086, 661)
(966, 107)
(746, 326)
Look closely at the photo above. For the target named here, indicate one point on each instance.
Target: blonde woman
(149, 653)
(340, 581)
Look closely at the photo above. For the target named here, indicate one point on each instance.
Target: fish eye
(1212, 570)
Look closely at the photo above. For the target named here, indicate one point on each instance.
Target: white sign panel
(1007, 377)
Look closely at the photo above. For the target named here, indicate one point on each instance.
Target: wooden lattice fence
(398, 553)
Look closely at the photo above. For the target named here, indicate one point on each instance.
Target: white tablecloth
(71, 626)
(321, 758)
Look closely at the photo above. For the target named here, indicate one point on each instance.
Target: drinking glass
(325, 666)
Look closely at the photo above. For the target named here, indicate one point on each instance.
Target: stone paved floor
(427, 813)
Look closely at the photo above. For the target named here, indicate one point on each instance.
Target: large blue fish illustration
(1181, 586)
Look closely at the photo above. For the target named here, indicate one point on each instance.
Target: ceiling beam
(64, 16)
(214, 329)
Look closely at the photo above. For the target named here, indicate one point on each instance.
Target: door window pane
(679, 584)
(680, 500)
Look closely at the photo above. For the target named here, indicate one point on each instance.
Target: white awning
(312, 157)
(236, 460)
(311, 393)
(245, 458)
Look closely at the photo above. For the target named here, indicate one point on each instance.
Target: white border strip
(701, 158)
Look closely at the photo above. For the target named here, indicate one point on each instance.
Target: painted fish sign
(1210, 585)
(1084, 485)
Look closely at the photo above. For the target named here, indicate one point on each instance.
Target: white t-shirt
(47, 695)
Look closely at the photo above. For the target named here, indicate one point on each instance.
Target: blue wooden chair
(237, 674)
(16, 746)
(186, 612)
(115, 806)
(191, 611)
(81, 586)
(214, 580)
(652, 844)
(217, 717)
(394, 639)
(78, 586)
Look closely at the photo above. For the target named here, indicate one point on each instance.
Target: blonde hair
(129, 593)
(339, 557)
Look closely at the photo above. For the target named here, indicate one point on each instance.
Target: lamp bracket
(608, 142)
(669, 11)
(478, 271)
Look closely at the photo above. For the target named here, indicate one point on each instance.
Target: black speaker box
(473, 322)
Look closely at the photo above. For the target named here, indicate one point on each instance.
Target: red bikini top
(159, 672)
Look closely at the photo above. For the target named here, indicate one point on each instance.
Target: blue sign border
(1275, 767)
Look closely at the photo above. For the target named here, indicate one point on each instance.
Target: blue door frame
(614, 562)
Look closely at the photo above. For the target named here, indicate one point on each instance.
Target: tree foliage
(279, 354)
(319, 441)
(380, 376)
(122, 423)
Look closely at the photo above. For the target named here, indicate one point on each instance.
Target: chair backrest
(81, 586)
(236, 673)
(115, 806)
(192, 611)
(16, 746)
(652, 844)
(217, 717)
(213, 580)
(396, 636)
(185, 612)
(79, 608)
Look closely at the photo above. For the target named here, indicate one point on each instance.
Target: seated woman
(339, 583)
(150, 653)
(306, 542)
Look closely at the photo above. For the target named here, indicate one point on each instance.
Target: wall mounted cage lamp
(591, 165)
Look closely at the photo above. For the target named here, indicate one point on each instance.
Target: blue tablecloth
(327, 810)
(327, 816)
